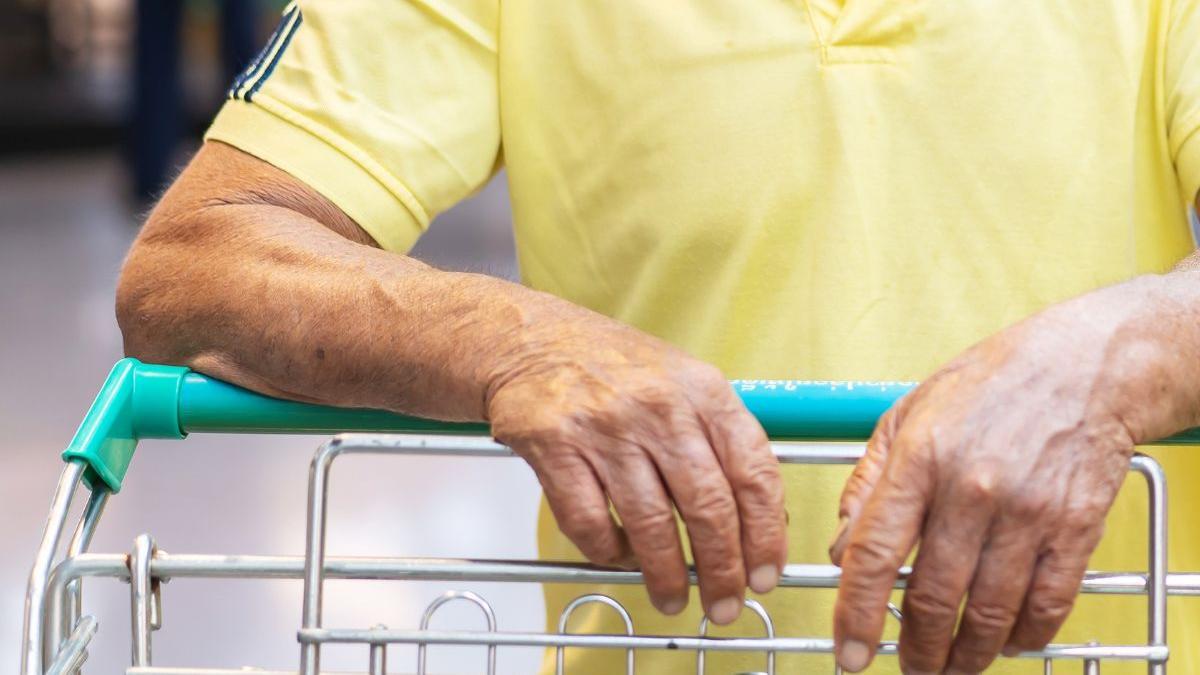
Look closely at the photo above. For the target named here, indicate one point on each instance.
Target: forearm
(267, 297)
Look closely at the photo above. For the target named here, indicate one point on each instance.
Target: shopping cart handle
(141, 400)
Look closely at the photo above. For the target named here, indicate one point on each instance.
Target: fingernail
(725, 610)
(836, 544)
(764, 578)
(673, 606)
(853, 656)
(1010, 650)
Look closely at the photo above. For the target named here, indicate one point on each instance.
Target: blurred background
(101, 103)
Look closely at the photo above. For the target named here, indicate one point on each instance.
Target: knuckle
(1050, 609)
(855, 618)
(705, 375)
(666, 586)
(989, 618)
(765, 539)
(1081, 524)
(870, 557)
(590, 524)
(560, 463)
(604, 551)
(1028, 506)
(922, 649)
(542, 430)
(1059, 576)
(659, 397)
(724, 570)
(711, 506)
(980, 486)
(741, 430)
(622, 460)
(933, 608)
(652, 528)
(758, 478)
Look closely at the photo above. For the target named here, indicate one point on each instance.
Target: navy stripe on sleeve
(255, 67)
(287, 40)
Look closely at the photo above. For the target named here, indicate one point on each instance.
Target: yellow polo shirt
(825, 189)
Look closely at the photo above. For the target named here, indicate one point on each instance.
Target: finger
(994, 599)
(946, 562)
(580, 508)
(705, 500)
(1056, 579)
(878, 544)
(862, 482)
(644, 507)
(752, 470)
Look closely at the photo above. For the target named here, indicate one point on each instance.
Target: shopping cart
(809, 423)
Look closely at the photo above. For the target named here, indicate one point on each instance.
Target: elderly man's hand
(604, 412)
(1003, 465)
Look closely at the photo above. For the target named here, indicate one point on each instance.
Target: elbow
(137, 307)
(152, 306)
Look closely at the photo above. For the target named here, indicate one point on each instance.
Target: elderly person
(815, 189)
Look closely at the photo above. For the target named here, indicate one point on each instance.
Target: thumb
(862, 482)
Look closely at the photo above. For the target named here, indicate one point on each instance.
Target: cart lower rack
(139, 401)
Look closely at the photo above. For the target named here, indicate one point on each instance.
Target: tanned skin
(244, 273)
(1003, 464)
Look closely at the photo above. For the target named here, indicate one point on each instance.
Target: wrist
(513, 332)
(1148, 361)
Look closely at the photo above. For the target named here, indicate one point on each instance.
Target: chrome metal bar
(1155, 653)
(489, 615)
(1156, 579)
(74, 650)
(314, 559)
(592, 598)
(177, 565)
(185, 670)
(33, 632)
(476, 446)
(141, 599)
(80, 542)
(768, 627)
(377, 665)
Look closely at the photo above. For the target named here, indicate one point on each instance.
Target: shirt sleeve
(1182, 94)
(389, 108)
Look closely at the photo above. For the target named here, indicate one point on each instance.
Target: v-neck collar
(863, 31)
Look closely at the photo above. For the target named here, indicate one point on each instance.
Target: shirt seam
(822, 45)
(456, 20)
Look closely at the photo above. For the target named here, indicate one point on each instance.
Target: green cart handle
(141, 400)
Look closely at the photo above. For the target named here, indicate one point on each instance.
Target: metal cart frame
(808, 423)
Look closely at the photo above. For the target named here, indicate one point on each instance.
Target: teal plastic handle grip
(141, 400)
(788, 410)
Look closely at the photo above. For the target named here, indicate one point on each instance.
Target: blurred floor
(63, 232)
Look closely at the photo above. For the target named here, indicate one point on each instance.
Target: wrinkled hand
(1003, 465)
(603, 412)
